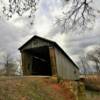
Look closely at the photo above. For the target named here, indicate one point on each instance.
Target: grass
(92, 84)
(40, 88)
(32, 88)
(92, 95)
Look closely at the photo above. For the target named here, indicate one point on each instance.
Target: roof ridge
(54, 43)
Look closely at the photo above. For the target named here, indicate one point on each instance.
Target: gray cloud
(17, 31)
(9, 37)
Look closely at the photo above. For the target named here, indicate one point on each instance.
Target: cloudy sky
(16, 31)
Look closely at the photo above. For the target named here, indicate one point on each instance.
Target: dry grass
(93, 82)
(31, 88)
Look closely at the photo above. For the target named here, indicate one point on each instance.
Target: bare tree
(82, 65)
(10, 66)
(95, 58)
(83, 62)
(19, 7)
(81, 15)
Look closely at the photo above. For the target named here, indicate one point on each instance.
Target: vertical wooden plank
(53, 61)
(25, 62)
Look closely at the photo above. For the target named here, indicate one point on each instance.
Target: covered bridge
(41, 56)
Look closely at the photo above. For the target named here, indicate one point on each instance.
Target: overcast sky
(16, 31)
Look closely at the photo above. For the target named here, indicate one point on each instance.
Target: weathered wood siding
(26, 60)
(61, 65)
(65, 68)
(53, 60)
(36, 43)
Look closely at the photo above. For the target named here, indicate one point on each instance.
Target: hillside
(32, 88)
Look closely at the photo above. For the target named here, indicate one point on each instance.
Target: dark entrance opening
(40, 61)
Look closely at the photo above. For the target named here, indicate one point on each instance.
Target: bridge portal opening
(39, 61)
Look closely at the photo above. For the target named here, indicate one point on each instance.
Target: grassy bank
(31, 88)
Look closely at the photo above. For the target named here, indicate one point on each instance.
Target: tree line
(9, 66)
(90, 62)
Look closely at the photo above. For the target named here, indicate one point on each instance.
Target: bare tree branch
(10, 68)
(83, 62)
(95, 57)
(80, 15)
(19, 7)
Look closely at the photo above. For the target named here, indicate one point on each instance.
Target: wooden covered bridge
(41, 56)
